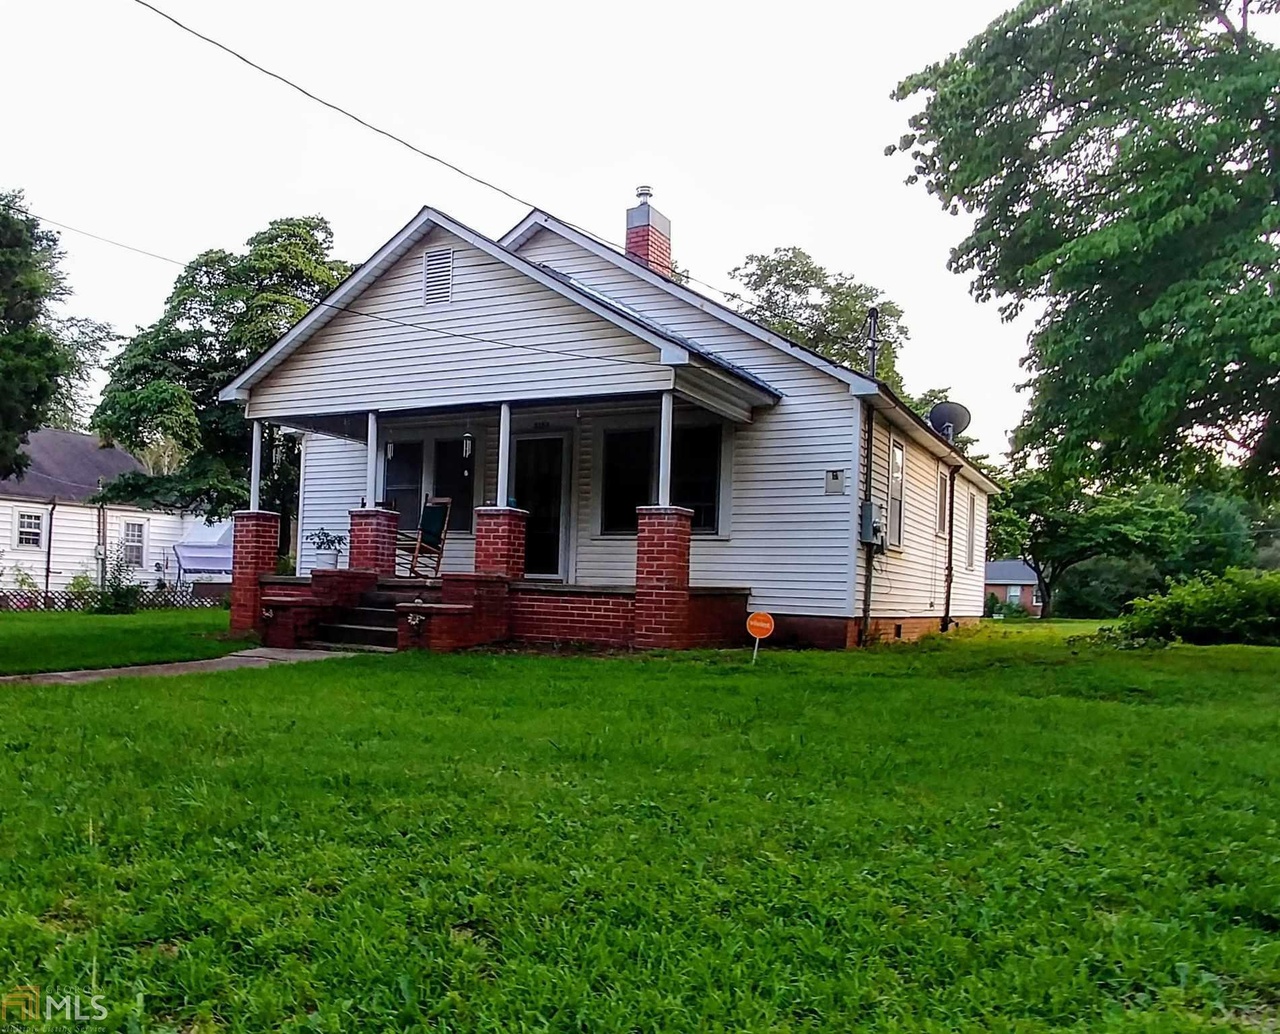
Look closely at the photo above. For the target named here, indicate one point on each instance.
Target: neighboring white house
(50, 531)
(405, 377)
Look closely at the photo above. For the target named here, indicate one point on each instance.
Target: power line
(369, 315)
(339, 109)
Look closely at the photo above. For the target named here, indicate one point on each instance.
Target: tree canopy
(1054, 523)
(161, 400)
(31, 361)
(1122, 162)
(794, 296)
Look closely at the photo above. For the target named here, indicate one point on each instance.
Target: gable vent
(437, 276)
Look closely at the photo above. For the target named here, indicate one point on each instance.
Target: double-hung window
(971, 534)
(897, 484)
(629, 476)
(134, 539)
(30, 530)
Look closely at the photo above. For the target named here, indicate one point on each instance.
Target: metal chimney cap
(644, 192)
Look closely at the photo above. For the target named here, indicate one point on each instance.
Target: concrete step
(358, 635)
(387, 599)
(318, 644)
(376, 617)
(386, 584)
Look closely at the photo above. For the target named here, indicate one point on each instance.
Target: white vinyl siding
(70, 534)
(502, 337)
(787, 540)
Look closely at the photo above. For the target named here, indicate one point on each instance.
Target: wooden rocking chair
(424, 546)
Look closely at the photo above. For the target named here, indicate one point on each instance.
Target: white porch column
(255, 467)
(371, 462)
(664, 450)
(504, 454)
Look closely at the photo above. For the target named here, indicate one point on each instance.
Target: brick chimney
(649, 234)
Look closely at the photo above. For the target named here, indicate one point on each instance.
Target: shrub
(991, 605)
(1240, 606)
(121, 592)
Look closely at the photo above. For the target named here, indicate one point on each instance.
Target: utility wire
(394, 137)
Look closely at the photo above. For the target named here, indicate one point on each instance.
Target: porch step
(397, 584)
(387, 598)
(376, 617)
(318, 644)
(358, 635)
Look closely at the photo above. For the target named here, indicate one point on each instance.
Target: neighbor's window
(133, 542)
(695, 475)
(31, 530)
(897, 477)
(971, 535)
(943, 487)
(454, 477)
(1035, 596)
(626, 479)
(1013, 595)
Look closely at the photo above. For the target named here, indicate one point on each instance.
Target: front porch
(540, 547)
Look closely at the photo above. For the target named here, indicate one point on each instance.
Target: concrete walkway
(260, 657)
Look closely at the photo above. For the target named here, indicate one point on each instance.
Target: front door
(538, 481)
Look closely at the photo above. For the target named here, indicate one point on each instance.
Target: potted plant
(328, 546)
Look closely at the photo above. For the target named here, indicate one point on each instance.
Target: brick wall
(717, 619)
(662, 576)
(548, 616)
(500, 541)
(373, 540)
(255, 545)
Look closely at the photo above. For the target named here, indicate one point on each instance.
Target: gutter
(48, 549)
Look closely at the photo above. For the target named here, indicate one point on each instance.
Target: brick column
(373, 541)
(500, 541)
(662, 577)
(255, 545)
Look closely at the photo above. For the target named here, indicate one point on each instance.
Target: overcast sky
(758, 125)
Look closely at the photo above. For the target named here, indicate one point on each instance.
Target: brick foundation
(474, 610)
(662, 577)
(549, 615)
(373, 540)
(500, 541)
(255, 545)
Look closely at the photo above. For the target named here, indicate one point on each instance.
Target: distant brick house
(1012, 581)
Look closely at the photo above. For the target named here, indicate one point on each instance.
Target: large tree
(161, 401)
(1122, 162)
(794, 296)
(31, 362)
(1054, 523)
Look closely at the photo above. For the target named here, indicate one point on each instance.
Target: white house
(50, 532)
(547, 374)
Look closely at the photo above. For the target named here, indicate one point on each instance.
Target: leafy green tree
(82, 343)
(225, 310)
(792, 295)
(1055, 523)
(1219, 536)
(1122, 161)
(1104, 586)
(31, 362)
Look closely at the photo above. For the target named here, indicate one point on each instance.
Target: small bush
(121, 593)
(1239, 607)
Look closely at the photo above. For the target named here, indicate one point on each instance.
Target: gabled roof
(67, 466)
(673, 348)
(1009, 572)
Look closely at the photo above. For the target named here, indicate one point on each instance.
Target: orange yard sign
(760, 625)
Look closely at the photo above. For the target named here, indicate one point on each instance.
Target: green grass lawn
(41, 641)
(1002, 832)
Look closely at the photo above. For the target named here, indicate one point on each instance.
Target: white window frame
(1013, 595)
(944, 487)
(125, 523)
(971, 536)
(1037, 600)
(897, 543)
(41, 515)
(427, 257)
(641, 422)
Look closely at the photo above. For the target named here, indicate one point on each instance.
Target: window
(437, 276)
(626, 479)
(943, 499)
(695, 475)
(1013, 596)
(30, 530)
(971, 534)
(133, 539)
(1035, 596)
(454, 477)
(897, 477)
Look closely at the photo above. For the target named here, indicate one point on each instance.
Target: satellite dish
(949, 419)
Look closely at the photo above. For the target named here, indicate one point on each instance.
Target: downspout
(951, 548)
(870, 547)
(48, 549)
